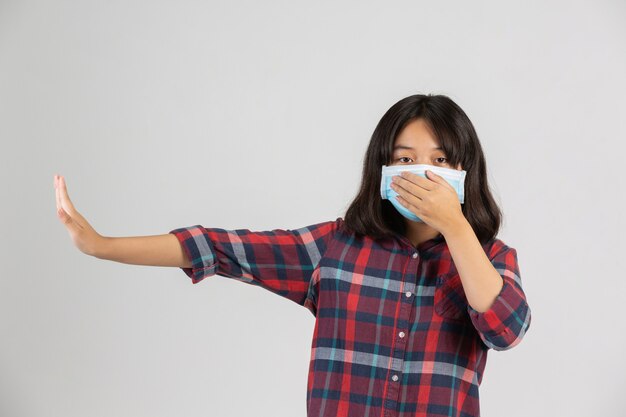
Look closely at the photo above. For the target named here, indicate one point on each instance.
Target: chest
(374, 287)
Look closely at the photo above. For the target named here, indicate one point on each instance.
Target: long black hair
(370, 215)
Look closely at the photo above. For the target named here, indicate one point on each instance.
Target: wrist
(456, 228)
(100, 247)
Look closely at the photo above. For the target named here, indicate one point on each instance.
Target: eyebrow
(408, 147)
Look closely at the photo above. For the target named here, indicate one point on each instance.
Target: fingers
(66, 203)
(404, 183)
(56, 192)
(65, 218)
(61, 212)
(418, 180)
(408, 192)
(439, 180)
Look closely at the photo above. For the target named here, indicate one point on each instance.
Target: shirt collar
(407, 246)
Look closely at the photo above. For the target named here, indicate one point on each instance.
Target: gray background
(245, 114)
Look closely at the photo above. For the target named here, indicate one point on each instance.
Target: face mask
(453, 177)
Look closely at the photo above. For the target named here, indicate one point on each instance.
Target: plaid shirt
(394, 334)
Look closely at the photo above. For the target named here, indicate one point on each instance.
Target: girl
(408, 294)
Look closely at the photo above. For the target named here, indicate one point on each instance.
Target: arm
(497, 303)
(504, 324)
(481, 282)
(281, 261)
(157, 250)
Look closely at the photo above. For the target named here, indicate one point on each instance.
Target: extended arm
(156, 250)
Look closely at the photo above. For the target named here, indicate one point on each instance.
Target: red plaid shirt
(394, 334)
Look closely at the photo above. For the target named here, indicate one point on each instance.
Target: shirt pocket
(450, 302)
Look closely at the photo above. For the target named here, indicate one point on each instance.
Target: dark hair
(369, 214)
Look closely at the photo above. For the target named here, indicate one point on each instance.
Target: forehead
(416, 134)
(413, 148)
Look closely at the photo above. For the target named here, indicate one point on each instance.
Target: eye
(445, 160)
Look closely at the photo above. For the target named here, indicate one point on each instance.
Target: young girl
(408, 294)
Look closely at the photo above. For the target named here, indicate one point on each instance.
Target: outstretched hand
(85, 238)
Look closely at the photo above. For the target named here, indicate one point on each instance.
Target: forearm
(481, 282)
(156, 250)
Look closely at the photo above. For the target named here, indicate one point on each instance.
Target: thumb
(65, 218)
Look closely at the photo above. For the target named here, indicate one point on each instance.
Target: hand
(85, 238)
(432, 199)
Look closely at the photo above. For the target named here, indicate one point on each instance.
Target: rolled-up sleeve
(279, 260)
(505, 323)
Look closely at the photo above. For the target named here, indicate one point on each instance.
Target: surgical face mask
(454, 177)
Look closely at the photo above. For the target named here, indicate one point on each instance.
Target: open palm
(84, 236)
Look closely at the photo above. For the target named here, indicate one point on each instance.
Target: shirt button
(408, 294)
(395, 377)
(401, 334)
(414, 255)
